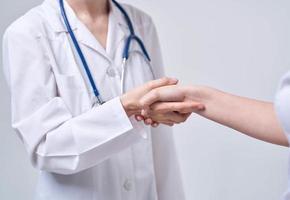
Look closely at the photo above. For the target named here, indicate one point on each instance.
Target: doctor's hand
(131, 99)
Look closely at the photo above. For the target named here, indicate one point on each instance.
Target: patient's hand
(169, 105)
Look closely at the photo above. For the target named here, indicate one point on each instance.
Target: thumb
(150, 97)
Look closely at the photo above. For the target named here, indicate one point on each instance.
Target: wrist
(200, 94)
(129, 106)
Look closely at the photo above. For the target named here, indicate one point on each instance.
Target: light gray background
(241, 46)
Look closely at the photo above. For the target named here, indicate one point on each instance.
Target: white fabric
(282, 104)
(85, 152)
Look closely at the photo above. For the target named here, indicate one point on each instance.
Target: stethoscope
(125, 55)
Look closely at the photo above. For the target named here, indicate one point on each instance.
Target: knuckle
(150, 84)
(165, 80)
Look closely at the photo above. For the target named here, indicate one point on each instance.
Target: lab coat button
(128, 185)
(111, 72)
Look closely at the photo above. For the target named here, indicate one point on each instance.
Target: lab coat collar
(117, 30)
(53, 14)
(116, 33)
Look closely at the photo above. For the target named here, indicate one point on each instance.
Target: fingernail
(148, 121)
(154, 125)
(139, 118)
(174, 79)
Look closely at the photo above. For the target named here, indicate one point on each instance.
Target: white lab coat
(85, 152)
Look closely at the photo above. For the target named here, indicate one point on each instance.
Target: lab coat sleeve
(167, 170)
(55, 140)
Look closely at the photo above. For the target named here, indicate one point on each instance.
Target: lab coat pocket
(74, 93)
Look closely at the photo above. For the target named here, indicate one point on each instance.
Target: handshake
(162, 101)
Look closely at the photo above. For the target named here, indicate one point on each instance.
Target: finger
(148, 121)
(171, 93)
(175, 118)
(186, 115)
(181, 107)
(161, 119)
(178, 118)
(139, 118)
(145, 112)
(150, 98)
(153, 95)
(161, 82)
(168, 124)
(155, 124)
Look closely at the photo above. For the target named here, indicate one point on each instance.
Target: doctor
(85, 142)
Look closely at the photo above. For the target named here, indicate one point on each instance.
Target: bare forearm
(254, 118)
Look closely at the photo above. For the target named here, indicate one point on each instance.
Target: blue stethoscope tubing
(126, 51)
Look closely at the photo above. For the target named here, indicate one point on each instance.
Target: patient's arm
(251, 117)
(131, 104)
